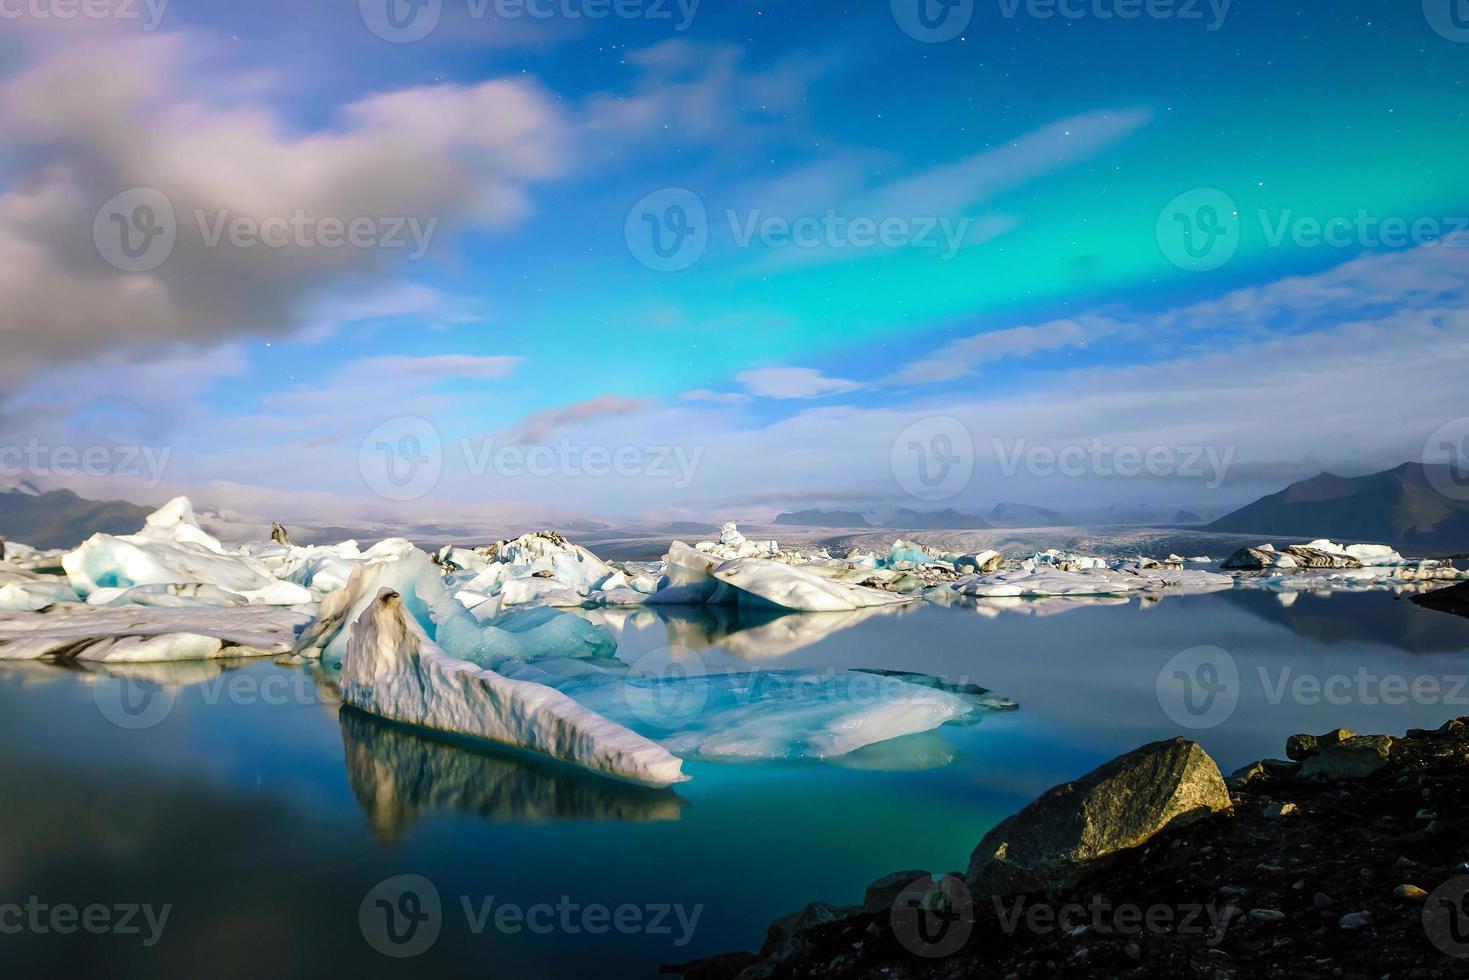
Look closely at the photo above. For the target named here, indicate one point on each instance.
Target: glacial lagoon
(267, 817)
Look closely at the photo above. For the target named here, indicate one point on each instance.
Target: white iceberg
(144, 634)
(761, 581)
(394, 670)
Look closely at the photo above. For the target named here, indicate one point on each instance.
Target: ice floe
(143, 634)
(394, 670)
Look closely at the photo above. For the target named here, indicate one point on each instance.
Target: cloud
(793, 382)
(538, 426)
(715, 397)
(107, 114)
(962, 356)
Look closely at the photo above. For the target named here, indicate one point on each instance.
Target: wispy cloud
(793, 382)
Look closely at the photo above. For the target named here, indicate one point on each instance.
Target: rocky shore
(1350, 858)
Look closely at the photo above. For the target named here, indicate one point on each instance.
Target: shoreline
(1348, 859)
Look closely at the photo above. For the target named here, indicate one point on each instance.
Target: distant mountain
(824, 518)
(939, 520)
(1024, 515)
(1401, 507)
(61, 519)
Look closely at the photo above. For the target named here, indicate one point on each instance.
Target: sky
(650, 259)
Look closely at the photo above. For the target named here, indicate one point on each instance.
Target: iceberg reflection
(401, 775)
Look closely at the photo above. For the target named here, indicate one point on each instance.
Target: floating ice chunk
(688, 576)
(27, 592)
(733, 544)
(537, 632)
(1066, 561)
(144, 634)
(907, 552)
(980, 561)
(104, 561)
(1045, 581)
(393, 669)
(413, 577)
(772, 714)
(761, 581)
(175, 521)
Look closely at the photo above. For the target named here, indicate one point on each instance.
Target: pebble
(1355, 920)
(1425, 815)
(1277, 810)
(1322, 900)
(1267, 915)
(1133, 952)
(1410, 893)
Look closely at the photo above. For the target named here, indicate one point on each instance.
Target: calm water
(264, 814)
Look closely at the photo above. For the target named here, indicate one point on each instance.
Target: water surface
(265, 814)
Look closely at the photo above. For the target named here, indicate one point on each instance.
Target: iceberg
(761, 581)
(144, 634)
(392, 669)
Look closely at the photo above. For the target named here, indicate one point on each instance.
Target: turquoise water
(264, 815)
